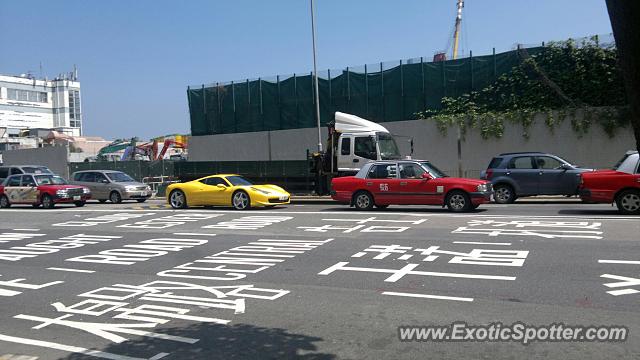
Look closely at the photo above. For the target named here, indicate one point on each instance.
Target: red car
(41, 189)
(408, 182)
(620, 185)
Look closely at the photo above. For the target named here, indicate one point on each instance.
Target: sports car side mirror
(221, 186)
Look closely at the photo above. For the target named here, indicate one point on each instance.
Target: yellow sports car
(225, 190)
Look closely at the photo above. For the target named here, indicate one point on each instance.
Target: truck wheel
(628, 202)
(458, 201)
(47, 201)
(115, 197)
(363, 200)
(4, 202)
(504, 194)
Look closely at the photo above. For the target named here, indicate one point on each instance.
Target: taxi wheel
(628, 202)
(4, 202)
(79, 203)
(363, 200)
(47, 202)
(178, 200)
(240, 200)
(458, 201)
(115, 197)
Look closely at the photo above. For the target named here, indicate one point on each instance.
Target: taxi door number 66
(384, 187)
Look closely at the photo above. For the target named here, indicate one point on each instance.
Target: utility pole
(315, 74)
(456, 42)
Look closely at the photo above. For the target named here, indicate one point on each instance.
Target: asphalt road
(311, 281)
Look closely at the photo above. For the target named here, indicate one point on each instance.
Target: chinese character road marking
(408, 270)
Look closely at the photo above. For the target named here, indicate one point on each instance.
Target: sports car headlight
(482, 188)
(260, 191)
(86, 191)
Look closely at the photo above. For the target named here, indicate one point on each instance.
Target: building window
(26, 95)
(74, 109)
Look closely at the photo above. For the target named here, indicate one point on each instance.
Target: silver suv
(114, 186)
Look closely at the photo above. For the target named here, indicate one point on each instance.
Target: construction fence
(390, 91)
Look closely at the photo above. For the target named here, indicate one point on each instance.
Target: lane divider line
(427, 296)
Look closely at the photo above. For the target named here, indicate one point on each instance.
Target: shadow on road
(607, 212)
(239, 341)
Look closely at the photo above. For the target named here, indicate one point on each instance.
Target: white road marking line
(193, 234)
(71, 270)
(26, 229)
(623, 292)
(70, 348)
(481, 243)
(387, 213)
(427, 296)
(629, 262)
(405, 257)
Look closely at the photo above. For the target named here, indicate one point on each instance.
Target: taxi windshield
(433, 170)
(50, 180)
(238, 181)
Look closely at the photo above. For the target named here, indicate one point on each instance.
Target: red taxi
(41, 189)
(620, 185)
(409, 182)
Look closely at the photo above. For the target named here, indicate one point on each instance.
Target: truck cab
(360, 141)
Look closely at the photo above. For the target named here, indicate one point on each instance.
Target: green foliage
(581, 81)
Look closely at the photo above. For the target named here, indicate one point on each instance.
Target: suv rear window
(495, 162)
(4, 173)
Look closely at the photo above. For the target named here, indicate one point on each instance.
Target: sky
(136, 58)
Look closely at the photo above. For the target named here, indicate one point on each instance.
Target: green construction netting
(377, 93)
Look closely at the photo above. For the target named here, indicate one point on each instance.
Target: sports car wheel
(47, 202)
(363, 200)
(4, 202)
(458, 201)
(504, 194)
(628, 202)
(240, 200)
(178, 200)
(115, 197)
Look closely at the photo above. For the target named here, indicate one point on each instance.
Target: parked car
(114, 186)
(225, 190)
(41, 189)
(8, 170)
(521, 174)
(620, 185)
(408, 182)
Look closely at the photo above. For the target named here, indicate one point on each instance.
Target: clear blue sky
(136, 57)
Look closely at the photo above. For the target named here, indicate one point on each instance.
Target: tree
(624, 15)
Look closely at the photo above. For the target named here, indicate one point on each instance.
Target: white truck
(353, 141)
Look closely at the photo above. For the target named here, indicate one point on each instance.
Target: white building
(28, 103)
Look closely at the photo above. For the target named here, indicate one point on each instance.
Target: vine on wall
(580, 81)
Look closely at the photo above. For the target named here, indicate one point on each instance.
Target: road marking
(628, 262)
(193, 234)
(481, 243)
(622, 292)
(71, 270)
(73, 349)
(427, 296)
(24, 229)
(347, 212)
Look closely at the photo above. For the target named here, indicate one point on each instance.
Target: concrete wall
(594, 149)
(53, 157)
